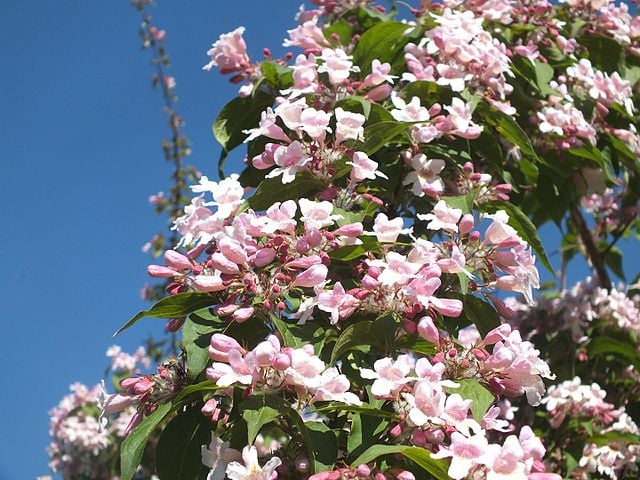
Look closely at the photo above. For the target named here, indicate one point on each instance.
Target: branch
(593, 254)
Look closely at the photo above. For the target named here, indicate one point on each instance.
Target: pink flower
(307, 36)
(229, 53)
(364, 168)
(425, 176)
(427, 403)
(267, 127)
(459, 121)
(250, 469)
(317, 214)
(506, 461)
(390, 375)
(408, 112)
(289, 161)
(337, 64)
(348, 126)
(442, 217)
(315, 123)
(379, 74)
(337, 302)
(387, 231)
(221, 345)
(334, 387)
(465, 453)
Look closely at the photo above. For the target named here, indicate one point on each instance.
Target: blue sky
(80, 134)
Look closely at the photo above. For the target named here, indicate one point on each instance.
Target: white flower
(216, 456)
(251, 470)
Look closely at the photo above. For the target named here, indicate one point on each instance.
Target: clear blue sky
(80, 132)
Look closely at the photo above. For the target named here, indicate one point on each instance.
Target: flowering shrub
(341, 300)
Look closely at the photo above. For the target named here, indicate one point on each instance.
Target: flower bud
(282, 362)
(174, 324)
(466, 224)
(158, 271)
(176, 260)
(428, 330)
(311, 277)
(363, 470)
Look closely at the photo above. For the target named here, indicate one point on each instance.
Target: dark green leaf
(480, 313)
(133, 446)
(604, 52)
(239, 114)
(437, 468)
(272, 190)
(174, 306)
(325, 445)
(178, 454)
(623, 351)
(614, 261)
(364, 432)
(380, 134)
(608, 438)
(205, 386)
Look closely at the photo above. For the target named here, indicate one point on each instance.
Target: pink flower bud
(176, 260)
(208, 283)
(379, 93)
(209, 407)
(435, 436)
(264, 256)
(117, 402)
(311, 277)
(135, 421)
(223, 264)
(363, 470)
(174, 324)
(409, 326)
(379, 476)
(302, 246)
(352, 230)
(282, 362)
(196, 251)
(428, 330)
(242, 314)
(158, 271)
(405, 475)
(466, 224)
(304, 262)
(314, 237)
(265, 354)
(474, 236)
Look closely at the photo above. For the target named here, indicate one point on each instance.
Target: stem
(595, 258)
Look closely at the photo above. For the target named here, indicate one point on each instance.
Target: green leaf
(178, 454)
(525, 228)
(380, 134)
(462, 202)
(471, 389)
(624, 352)
(604, 52)
(239, 114)
(364, 432)
(480, 313)
(174, 306)
(279, 76)
(611, 437)
(428, 92)
(351, 252)
(205, 386)
(133, 446)
(257, 412)
(363, 335)
(325, 445)
(417, 344)
(196, 335)
(297, 336)
(544, 74)
(437, 468)
(272, 190)
(385, 42)
(363, 409)
(507, 127)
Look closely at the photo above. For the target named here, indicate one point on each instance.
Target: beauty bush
(342, 300)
